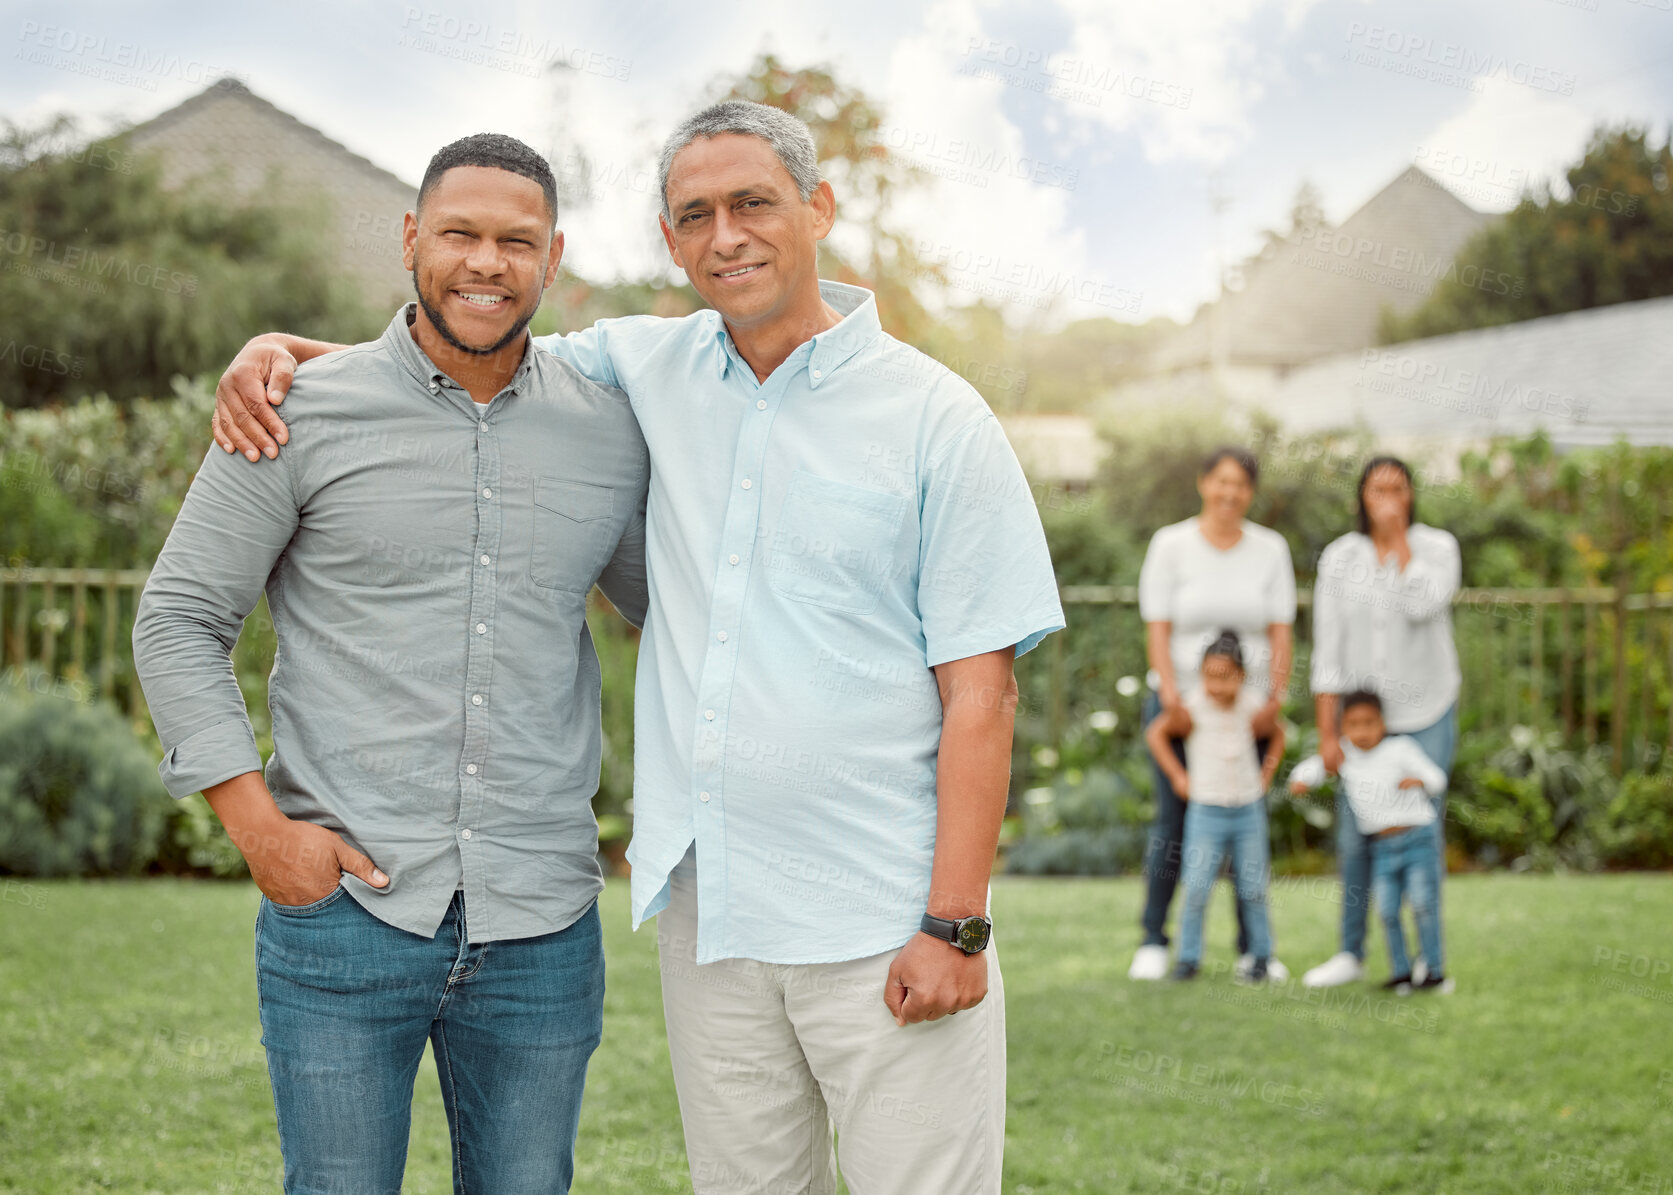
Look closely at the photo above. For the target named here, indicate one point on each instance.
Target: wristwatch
(969, 934)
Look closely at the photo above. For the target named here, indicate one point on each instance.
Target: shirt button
(760, 404)
(709, 714)
(721, 636)
(817, 374)
(732, 559)
(476, 699)
(481, 628)
(487, 493)
(470, 769)
(747, 483)
(484, 559)
(464, 833)
(433, 386)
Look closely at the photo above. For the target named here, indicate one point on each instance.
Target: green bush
(78, 794)
(197, 843)
(1636, 827)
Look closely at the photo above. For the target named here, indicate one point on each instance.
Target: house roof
(1586, 377)
(226, 135)
(1323, 291)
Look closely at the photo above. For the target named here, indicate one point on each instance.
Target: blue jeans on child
(347, 1003)
(1408, 865)
(1212, 833)
(1164, 845)
(1439, 741)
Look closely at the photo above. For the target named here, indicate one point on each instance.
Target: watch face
(973, 934)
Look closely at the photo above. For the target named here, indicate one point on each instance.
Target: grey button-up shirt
(427, 560)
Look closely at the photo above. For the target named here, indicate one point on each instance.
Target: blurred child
(1224, 790)
(1389, 782)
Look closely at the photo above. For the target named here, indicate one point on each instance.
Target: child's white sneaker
(1149, 962)
(1275, 970)
(1338, 969)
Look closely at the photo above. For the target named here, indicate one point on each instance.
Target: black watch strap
(969, 934)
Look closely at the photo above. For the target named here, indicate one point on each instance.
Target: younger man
(1390, 783)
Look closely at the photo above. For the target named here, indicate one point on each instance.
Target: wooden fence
(1596, 664)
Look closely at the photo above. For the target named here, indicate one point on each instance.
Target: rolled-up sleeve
(231, 531)
(985, 579)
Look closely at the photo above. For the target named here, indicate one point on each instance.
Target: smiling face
(745, 237)
(1221, 679)
(1226, 491)
(482, 252)
(1363, 726)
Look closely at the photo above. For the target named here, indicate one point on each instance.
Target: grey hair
(790, 138)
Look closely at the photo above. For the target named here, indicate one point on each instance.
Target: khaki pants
(769, 1059)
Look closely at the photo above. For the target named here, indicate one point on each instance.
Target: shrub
(78, 794)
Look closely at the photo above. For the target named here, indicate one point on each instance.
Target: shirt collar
(399, 339)
(830, 348)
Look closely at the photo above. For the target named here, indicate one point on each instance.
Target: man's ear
(553, 257)
(668, 239)
(409, 238)
(823, 202)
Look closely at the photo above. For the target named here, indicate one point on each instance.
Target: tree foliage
(1610, 240)
(112, 283)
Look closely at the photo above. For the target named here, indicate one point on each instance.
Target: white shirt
(1378, 628)
(1372, 781)
(1203, 590)
(1220, 754)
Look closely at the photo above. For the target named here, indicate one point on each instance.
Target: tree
(1610, 240)
(111, 283)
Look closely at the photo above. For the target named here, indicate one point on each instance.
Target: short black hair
(499, 152)
(1362, 697)
(1226, 644)
(1229, 452)
(1375, 463)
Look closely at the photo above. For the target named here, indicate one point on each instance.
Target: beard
(439, 322)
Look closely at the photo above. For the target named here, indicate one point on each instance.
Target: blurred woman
(1382, 621)
(1213, 571)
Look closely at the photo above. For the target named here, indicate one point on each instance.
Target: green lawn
(130, 1056)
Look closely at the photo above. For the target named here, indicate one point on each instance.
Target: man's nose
(730, 233)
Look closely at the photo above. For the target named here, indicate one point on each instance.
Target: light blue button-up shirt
(816, 543)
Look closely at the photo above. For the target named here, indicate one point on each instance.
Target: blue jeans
(1408, 865)
(1439, 741)
(347, 1003)
(1166, 841)
(1214, 833)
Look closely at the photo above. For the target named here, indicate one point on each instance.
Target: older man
(844, 560)
(427, 547)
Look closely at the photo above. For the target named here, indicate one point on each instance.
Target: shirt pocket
(835, 543)
(573, 533)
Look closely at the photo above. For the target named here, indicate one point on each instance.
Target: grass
(130, 1057)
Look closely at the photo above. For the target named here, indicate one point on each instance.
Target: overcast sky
(1071, 140)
